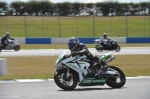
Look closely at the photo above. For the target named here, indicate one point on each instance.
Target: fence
(81, 26)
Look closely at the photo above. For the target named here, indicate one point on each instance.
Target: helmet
(104, 35)
(73, 43)
(7, 33)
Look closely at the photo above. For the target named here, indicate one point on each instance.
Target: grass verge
(43, 67)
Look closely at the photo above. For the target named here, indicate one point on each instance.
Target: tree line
(45, 7)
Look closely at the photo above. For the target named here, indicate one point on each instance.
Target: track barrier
(3, 66)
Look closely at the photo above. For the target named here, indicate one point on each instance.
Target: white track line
(43, 80)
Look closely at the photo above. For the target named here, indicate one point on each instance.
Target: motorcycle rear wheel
(112, 82)
(62, 82)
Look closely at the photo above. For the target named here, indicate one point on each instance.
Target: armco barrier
(21, 40)
(59, 40)
(65, 40)
(83, 40)
(120, 39)
(87, 40)
(38, 40)
(138, 40)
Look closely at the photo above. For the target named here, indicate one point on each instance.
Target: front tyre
(0, 47)
(65, 83)
(17, 48)
(97, 47)
(117, 82)
(117, 49)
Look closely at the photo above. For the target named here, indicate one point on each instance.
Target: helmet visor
(71, 45)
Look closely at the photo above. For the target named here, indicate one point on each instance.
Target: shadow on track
(92, 89)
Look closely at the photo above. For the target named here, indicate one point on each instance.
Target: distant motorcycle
(108, 44)
(11, 44)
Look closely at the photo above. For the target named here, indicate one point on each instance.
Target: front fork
(68, 73)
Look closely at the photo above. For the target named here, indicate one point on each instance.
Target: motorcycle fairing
(79, 66)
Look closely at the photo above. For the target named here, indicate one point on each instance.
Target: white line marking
(42, 80)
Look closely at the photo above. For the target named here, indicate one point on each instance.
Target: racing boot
(98, 74)
(100, 71)
(105, 66)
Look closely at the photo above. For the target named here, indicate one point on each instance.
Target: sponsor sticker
(96, 81)
(86, 81)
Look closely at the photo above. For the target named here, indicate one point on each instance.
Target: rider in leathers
(102, 41)
(80, 49)
(4, 38)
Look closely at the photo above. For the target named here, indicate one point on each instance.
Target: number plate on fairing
(93, 81)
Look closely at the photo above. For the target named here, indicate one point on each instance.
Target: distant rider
(80, 49)
(103, 40)
(5, 38)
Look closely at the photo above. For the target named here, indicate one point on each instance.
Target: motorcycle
(11, 44)
(78, 70)
(107, 44)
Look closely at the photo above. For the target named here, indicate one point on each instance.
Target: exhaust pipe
(110, 59)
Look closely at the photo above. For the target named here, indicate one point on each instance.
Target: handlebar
(73, 53)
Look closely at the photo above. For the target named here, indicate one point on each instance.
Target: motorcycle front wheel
(117, 49)
(117, 82)
(0, 47)
(64, 83)
(97, 47)
(17, 48)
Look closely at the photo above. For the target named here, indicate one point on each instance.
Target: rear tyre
(97, 47)
(112, 82)
(65, 83)
(17, 48)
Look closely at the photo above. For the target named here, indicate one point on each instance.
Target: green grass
(37, 26)
(44, 68)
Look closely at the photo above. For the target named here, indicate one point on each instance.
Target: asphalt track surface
(55, 52)
(135, 88)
